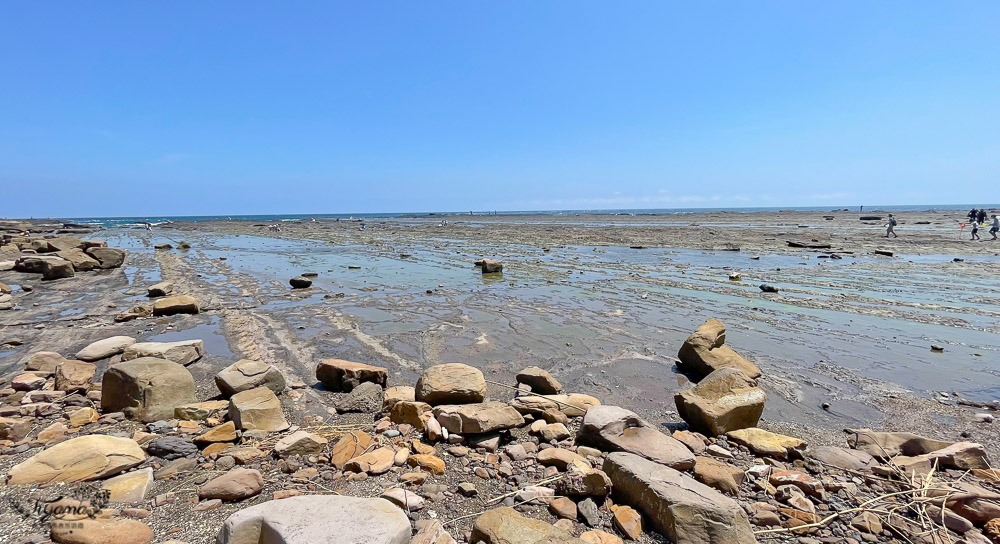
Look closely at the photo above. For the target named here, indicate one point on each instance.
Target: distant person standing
(972, 215)
(975, 231)
(891, 228)
(982, 215)
(995, 227)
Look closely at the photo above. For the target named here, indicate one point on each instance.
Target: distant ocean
(274, 218)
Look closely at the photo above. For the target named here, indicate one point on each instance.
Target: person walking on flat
(891, 228)
(995, 227)
(975, 231)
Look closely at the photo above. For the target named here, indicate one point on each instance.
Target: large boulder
(257, 409)
(572, 405)
(726, 400)
(147, 389)
(505, 525)
(612, 428)
(246, 374)
(81, 261)
(477, 418)
(108, 257)
(57, 270)
(182, 352)
(676, 505)
(177, 304)
(340, 375)
(103, 349)
(451, 383)
(318, 519)
(79, 459)
(706, 350)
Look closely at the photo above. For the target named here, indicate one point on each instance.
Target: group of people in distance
(977, 218)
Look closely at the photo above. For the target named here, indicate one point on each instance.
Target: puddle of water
(215, 341)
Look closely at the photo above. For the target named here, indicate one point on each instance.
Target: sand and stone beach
(854, 331)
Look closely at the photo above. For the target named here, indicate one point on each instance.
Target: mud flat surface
(603, 302)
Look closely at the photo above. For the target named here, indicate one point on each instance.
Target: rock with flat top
(725, 400)
(318, 519)
(177, 304)
(451, 383)
(161, 289)
(706, 351)
(571, 405)
(101, 531)
(476, 418)
(676, 505)
(247, 374)
(129, 488)
(108, 257)
(146, 389)
(842, 458)
(182, 352)
(340, 375)
(612, 428)
(257, 409)
(300, 443)
(102, 349)
(81, 261)
(44, 361)
(768, 444)
(79, 459)
(392, 395)
(74, 376)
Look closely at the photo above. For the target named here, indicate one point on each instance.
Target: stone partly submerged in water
(706, 350)
(318, 519)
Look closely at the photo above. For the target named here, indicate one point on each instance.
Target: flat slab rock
(612, 428)
(318, 519)
(675, 504)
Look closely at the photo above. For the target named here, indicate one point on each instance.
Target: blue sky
(186, 108)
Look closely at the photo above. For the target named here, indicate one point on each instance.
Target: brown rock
(611, 428)
(600, 537)
(222, 433)
(107, 256)
(246, 374)
(572, 405)
(340, 375)
(74, 376)
(79, 459)
(717, 474)
(628, 521)
(476, 418)
(885, 445)
(178, 304)
(348, 447)
(237, 484)
(44, 361)
(563, 508)
(396, 394)
(725, 400)
(411, 413)
(300, 443)
(506, 526)
(377, 461)
(430, 463)
(705, 351)
(540, 381)
(100, 531)
(451, 383)
(147, 389)
(766, 443)
(257, 409)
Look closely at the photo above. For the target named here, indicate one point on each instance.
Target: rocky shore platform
(497, 381)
